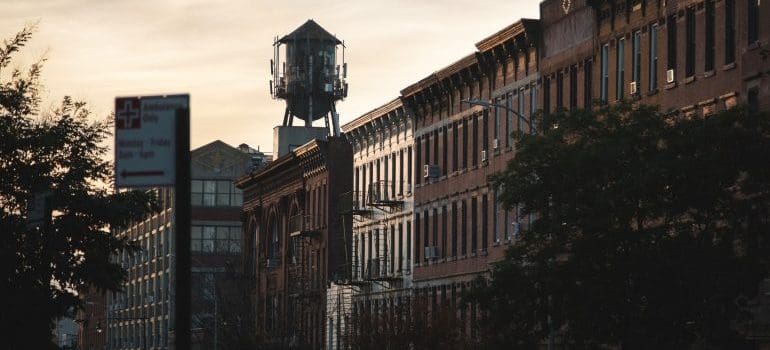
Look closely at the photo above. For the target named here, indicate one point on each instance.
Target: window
(620, 68)
(474, 224)
(605, 78)
(426, 231)
(573, 87)
(443, 232)
(401, 172)
(587, 76)
(729, 31)
(444, 151)
(391, 254)
(435, 149)
(484, 222)
(465, 143)
(497, 120)
(434, 241)
(418, 157)
(637, 60)
(753, 21)
(454, 228)
(508, 119)
(671, 41)
(709, 54)
(408, 244)
(401, 247)
(463, 228)
(215, 239)
(455, 137)
(559, 89)
(392, 174)
(520, 110)
(475, 131)
(689, 63)
(215, 193)
(485, 128)
(496, 216)
(532, 107)
(653, 57)
(409, 167)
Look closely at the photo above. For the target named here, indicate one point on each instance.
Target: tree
(650, 231)
(54, 161)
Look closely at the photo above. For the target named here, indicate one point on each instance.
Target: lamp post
(487, 104)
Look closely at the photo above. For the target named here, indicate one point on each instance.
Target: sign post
(152, 149)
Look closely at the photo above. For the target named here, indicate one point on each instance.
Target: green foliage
(57, 155)
(651, 231)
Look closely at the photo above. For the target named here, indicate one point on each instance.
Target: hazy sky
(219, 51)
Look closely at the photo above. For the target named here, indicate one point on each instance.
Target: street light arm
(478, 102)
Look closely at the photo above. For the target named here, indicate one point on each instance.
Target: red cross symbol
(127, 114)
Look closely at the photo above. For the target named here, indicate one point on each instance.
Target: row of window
(215, 239)
(434, 147)
(387, 177)
(440, 233)
(383, 251)
(690, 26)
(215, 193)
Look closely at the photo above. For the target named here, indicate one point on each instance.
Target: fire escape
(305, 290)
(378, 265)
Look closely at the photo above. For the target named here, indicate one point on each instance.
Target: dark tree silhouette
(56, 208)
(651, 231)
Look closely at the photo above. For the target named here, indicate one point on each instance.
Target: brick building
(695, 56)
(143, 312)
(297, 239)
(91, 336)
(380, 209)
(458, 227)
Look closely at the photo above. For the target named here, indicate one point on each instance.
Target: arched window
(273, 242)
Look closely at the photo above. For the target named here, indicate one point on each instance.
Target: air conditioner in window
(484, 155)
(633, 88)
(430, 171)
(670, 76)
(496, 143)
(431, 252)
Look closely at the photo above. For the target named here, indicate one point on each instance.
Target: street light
(487, 104)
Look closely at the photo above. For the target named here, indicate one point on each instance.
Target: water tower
(308, 77)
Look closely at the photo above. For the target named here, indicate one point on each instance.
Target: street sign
(145, 139)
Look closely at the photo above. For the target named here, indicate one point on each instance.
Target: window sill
(729, 66)
(483, 252)
(472, 255)
(689, 79)
(496, 152)
(708, 74)
(753, 46)
(496, 243)
(670, 86)
(652, 92)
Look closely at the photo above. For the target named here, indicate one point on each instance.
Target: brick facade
(292, 225)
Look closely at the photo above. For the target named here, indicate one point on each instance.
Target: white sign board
(145, 139)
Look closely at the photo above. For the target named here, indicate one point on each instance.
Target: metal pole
(182, 208)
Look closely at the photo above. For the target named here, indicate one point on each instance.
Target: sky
(219, 51)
